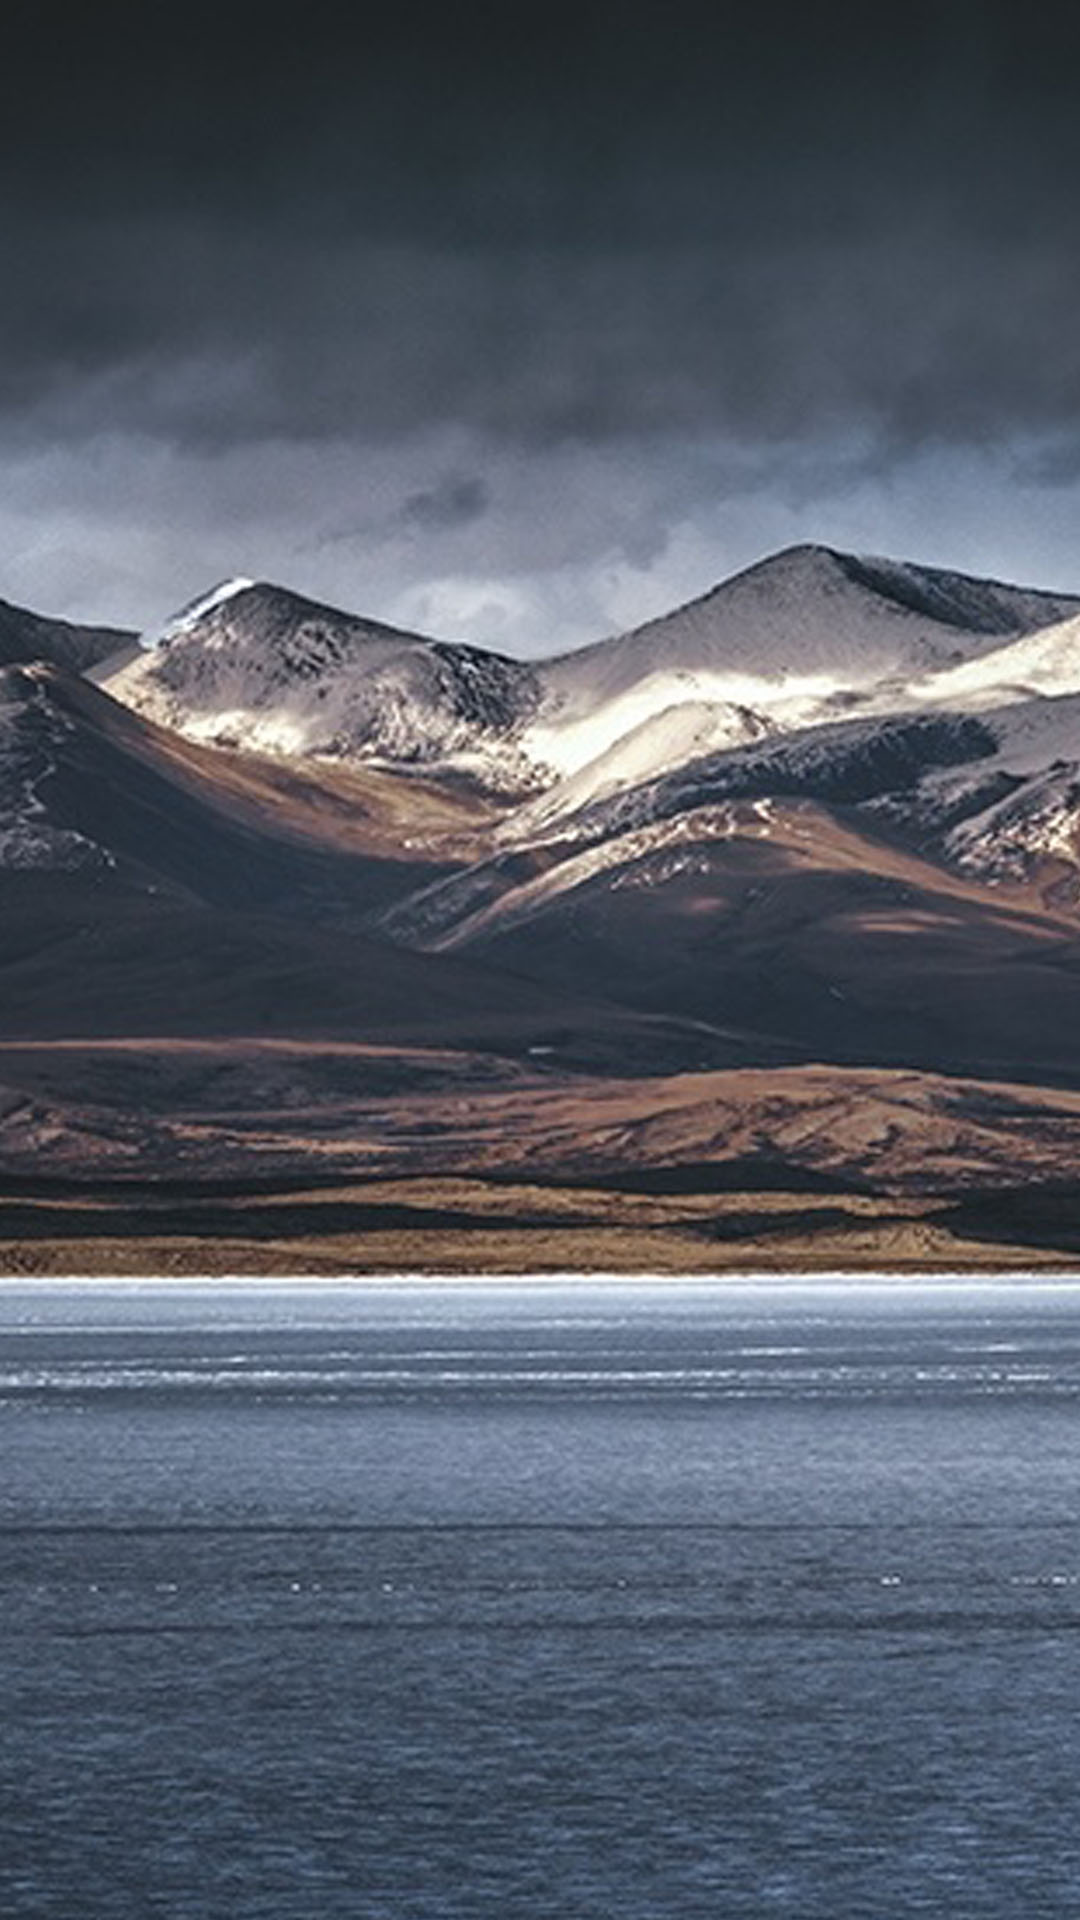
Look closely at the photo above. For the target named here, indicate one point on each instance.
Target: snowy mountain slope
(811, 615)
(1046, 661)
(798, 640)
(1023, 732)
(845, 763)
(1009, 813)
(668, 738)
(954, 782)
(927, 698)
(254, 666)
(1032, 821)
(951, 783)
(1031, 734)
(1038, 822)
(804, 638)
(1023, 696)
(26, 636)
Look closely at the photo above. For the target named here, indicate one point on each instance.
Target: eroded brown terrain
(310, 1163)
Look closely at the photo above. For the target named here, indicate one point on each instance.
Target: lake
(558, 1600)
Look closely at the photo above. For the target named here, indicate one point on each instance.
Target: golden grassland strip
(471, 1227)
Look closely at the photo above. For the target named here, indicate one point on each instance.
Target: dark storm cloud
(454, 501)
(227, 226)
(448, 504)
(1054, 465)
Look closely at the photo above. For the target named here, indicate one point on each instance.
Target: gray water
(572, 1602)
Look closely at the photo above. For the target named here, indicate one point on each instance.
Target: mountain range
(275, 877)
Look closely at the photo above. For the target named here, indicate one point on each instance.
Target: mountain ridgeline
(825, 817)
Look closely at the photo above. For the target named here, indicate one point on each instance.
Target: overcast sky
(523, 326)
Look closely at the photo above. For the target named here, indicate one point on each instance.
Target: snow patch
(1040, 821)
(189, 616)
(668, 737)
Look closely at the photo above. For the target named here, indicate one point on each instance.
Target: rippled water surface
(541, 1601)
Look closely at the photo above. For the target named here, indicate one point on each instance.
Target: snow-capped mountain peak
(255, 666)
(810, 638)
(189, 616)
(810, 611)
